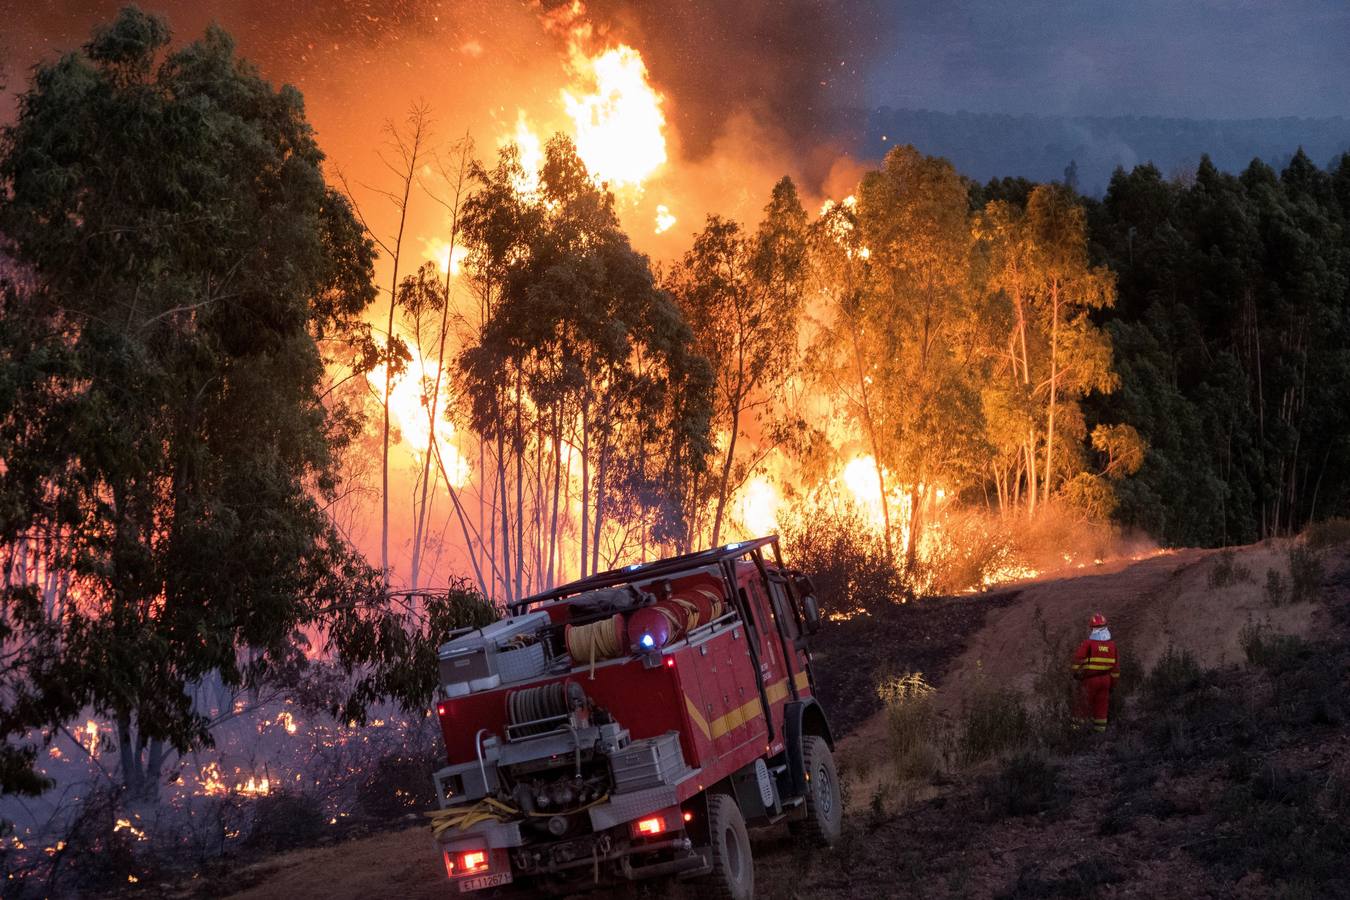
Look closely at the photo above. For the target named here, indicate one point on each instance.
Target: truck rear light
(670, 662)
(473, 861)
(466, 863)
(688, 817)
(650, 827)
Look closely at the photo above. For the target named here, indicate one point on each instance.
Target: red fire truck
(632, 725)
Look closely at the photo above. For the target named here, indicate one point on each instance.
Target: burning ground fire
(261, 751)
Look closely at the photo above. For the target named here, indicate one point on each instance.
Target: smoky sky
(805, 66)
(793, 62)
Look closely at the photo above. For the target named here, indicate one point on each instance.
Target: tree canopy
(164, 452)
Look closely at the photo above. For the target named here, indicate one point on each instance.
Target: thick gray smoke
(799, 64)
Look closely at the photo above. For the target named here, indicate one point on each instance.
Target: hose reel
(535, 710)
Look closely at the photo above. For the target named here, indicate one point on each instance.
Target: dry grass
(401, 864)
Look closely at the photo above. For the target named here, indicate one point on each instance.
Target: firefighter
(1097, 668)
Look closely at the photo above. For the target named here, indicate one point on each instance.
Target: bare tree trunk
(503, 502)
(520, 489)
(1054, 388)
(557, 490)
(1032, 484)
(433, 408)
(723, 488)
(409, 149)
(916, 496)
(585, 490)
(599, 505)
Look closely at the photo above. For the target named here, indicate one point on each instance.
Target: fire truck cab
(632, 725)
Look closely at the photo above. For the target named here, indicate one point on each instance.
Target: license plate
(484, 881)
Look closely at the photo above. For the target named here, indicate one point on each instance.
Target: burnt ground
(851, 657)
(1227, 782)
(1227, 775)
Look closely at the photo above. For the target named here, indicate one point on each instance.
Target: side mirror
(811, 613)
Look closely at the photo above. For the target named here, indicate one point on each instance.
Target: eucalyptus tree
(580, 375)
(164, 449)
(743, 294)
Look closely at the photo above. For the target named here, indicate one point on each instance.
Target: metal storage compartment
(485, 658)
(650, 762)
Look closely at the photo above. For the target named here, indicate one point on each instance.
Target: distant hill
(985, 146)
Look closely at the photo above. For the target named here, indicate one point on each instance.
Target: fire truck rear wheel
(823, 818)
(733, 869)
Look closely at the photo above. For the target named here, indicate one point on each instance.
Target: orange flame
(619, 123)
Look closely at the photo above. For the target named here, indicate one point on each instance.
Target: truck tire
(733, 868)
(823, 811)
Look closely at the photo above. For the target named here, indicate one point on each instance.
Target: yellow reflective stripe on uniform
(1105, 659)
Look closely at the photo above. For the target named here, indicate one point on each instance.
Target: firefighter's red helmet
(1098, 620)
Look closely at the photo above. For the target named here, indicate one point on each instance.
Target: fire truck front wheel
(823, 812)
(733, 869)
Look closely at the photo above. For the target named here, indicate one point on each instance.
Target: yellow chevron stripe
(739, 716)
(697, 717)
(803, 680)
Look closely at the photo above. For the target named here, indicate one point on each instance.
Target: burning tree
(164, 451)
(578, 375)
(743, 296)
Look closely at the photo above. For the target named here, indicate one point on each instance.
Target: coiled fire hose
(533, 704)
(464, 818)
(596, 641)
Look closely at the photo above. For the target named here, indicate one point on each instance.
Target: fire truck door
(742, 720)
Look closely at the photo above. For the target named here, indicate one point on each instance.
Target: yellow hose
(463, 818)
(596, 641)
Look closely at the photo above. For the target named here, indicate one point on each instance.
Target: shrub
(284, 821)
(1025, 785)
(1082, 879)
(994, 720)
(1226, 570)
(1305, 573)
(399, 783)
(845, 558)
(1328, 533)
(962, 551)
(912, 724)
(99, 855)
(1174, 675)
(1277, 589)
(1271, 650)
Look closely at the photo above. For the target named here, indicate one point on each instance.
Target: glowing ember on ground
(213, 784)
(125, 825)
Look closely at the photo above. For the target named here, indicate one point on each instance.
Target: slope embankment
(1132, 814)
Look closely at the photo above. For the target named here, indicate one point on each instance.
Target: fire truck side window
(782, 607)
(749, 614)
